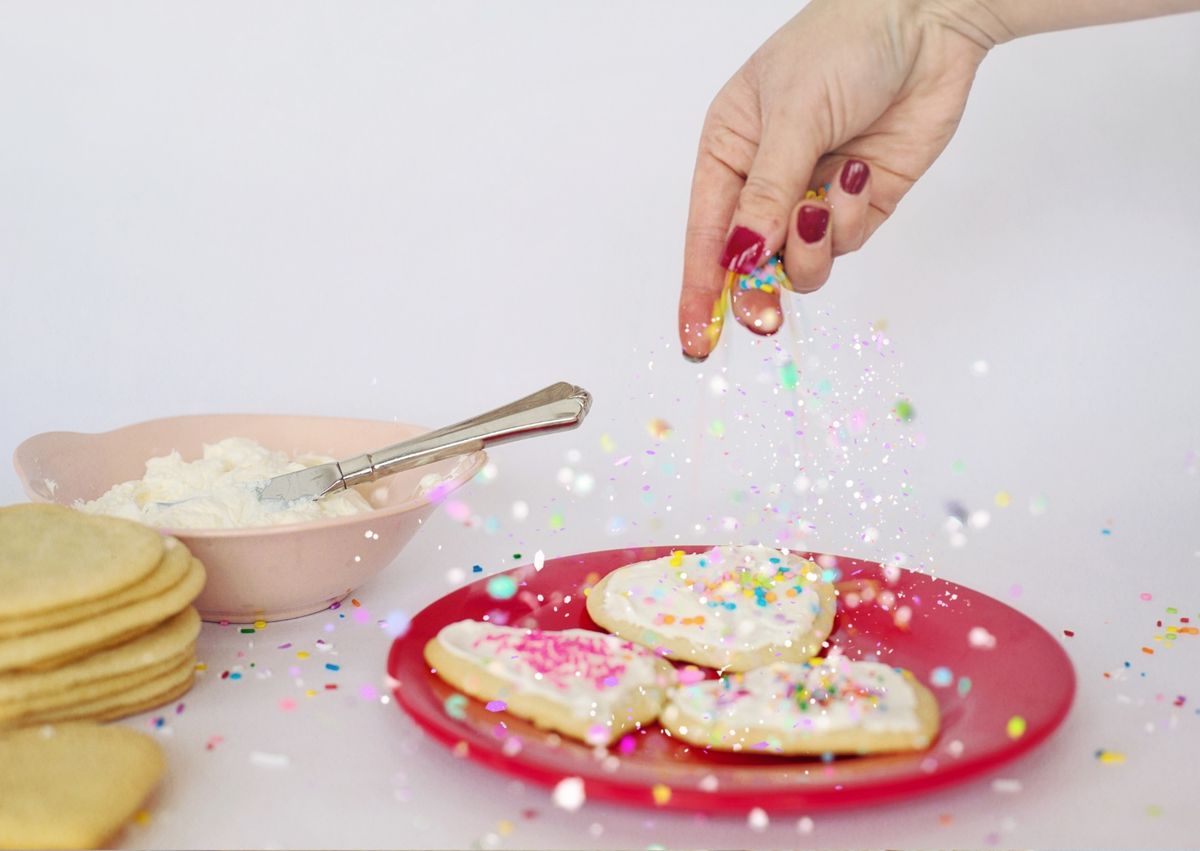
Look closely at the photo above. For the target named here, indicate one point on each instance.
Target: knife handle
(559, 406)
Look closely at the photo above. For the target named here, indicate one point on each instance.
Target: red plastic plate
(997, 702)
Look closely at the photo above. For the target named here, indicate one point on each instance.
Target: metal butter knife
(559, 406)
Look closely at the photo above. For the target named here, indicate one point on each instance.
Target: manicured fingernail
(743, 251)
(854, 176)
(694, 358)
(812, 222)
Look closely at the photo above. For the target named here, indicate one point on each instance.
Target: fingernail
(743, 250)
(694, 358)
(811, 223)
(854, 176)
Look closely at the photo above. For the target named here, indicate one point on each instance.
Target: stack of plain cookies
(96, 620)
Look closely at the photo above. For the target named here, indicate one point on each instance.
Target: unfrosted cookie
(54, 647)
(52, 556)
(833, 705)
(72, 785)
(584, 684)
(174, 564)
(731, 608)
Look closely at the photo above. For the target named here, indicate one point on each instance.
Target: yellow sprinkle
(311, 693)
(606, 443)
(505, 827)
(200, 666)
(1015, 727)
(260, 624)
(301, 654)
(1003, 500)
(676, 558)
(662, 794)
(1111, 757)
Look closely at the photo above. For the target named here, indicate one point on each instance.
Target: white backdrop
(422, 210)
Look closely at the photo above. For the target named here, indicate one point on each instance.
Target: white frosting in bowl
(220, 491)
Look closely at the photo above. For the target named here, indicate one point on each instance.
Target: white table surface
(419, 210)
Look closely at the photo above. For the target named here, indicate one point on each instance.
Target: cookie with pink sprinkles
(730, 608)
(581, 683)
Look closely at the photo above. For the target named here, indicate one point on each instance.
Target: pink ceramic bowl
(272, 572)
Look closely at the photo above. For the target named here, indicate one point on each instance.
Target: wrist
(997, 21)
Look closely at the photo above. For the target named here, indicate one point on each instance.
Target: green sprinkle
(905, 410)
(788, 376)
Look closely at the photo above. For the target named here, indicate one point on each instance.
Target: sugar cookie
(72, 785)
(833, 705)
(54, 647)
(584, 684)
(170, 569)
(731, 608)
(52, 556)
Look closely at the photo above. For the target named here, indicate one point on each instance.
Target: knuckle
(766, 200)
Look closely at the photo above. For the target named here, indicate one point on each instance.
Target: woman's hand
(859, 96)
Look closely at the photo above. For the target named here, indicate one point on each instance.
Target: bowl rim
(479, 460)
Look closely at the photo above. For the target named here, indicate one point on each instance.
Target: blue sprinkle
(477, 568)
(235, 676)
(329, 666)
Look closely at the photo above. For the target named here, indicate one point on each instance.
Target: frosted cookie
(732, 608)
(73, 785)
(584, 684)
(831, 705)
(52, 556)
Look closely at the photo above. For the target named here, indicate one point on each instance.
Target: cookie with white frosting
(581, 683)
(833, 705)
(730, 608)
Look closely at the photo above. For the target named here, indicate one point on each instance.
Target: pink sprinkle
(628, 744)
(458, 510)
(1145, 595)
(496, 706)
(361, 615)
(287, 704)
(368, 692)
(690, 675)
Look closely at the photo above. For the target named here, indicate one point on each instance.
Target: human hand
(859, 96)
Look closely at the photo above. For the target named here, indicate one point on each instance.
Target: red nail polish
(854, 176)
(812, 222)
(743, 251)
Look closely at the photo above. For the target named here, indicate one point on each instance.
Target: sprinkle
(941, 677)
(1145, 595)
(456, 706)
(661, 793)
(301, 654)
(539, 561)
(212, 742)
(569, 794)
(716, 428)
(397, 623)
(496, 706)
(964, 686)
(247, 630)
(286, 704)
(269, 760)
(329, 666)
(980, 637)
(627, 745)
(1015, 727)
(477, 568)
(556, 520)
(1003, 499)
(1110, 757)
(788, 377)
(757, 820)
(597, 734)
(502, 587)
(659, 429)
(905, 411)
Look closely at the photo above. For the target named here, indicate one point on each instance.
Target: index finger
(715, 188)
